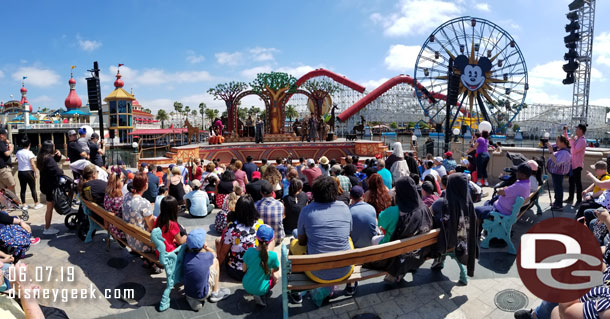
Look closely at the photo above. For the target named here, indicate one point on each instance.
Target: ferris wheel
(491, 69)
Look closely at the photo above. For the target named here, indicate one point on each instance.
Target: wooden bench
(171, 262)
(293, 278)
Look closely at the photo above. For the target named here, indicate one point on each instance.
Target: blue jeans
(558, 189)
(482, 160)
(543, 311)
(483, 211)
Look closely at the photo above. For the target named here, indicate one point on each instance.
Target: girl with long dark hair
(46, 161)
(168, 222)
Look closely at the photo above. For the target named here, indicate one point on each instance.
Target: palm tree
(162, 116)
(193, 114)
(202, 112)
(178, 107)
(291, 112)
(211, 114)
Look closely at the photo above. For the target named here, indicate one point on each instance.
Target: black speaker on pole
(93, 92)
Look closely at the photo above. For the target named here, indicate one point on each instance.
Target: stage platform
(336, 149)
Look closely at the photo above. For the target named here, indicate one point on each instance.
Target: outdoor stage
(270, 150)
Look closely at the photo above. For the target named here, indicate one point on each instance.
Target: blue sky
(177, 51)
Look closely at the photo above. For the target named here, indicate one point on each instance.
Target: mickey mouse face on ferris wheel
(473, 75)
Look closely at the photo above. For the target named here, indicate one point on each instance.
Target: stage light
(572, 16)
(499, 63)
(572, 37)
(507, 91)
(574, 26)
(426, 72)
(505, 76)
(473, 22)
(476, 47)
(571, 45)
(572, 54)
(461, 48)
(576, 4)
(570, 67)
(569, 79)
(432, 38)
(488, 53)
(437, 55)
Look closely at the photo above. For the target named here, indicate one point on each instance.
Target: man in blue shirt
(280, 166)
(364, 219)
(153, 184)
(385, 174)
(197, 201)
(249, 167)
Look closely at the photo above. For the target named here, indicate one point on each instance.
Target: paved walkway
(426, 294)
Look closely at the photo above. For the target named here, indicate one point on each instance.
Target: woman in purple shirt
(559, 164)
(482, 145)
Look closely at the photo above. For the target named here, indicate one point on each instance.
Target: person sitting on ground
(168, 223)
(177, 189)
(16, 236)
(438, 166)
(211, 181)
(228, 207)
(273, 176)
(201, 271)
(153, 184)
(335, 171)
(507, 195)
(449, 163)
(159, 174)
(293, 204)
(209, 171)
(311, 172)
(437, 187)
(591, 193)
(225, 187)
(264, 166)
(271, 210)
(300, 167)
(261, 265)
(249, 167)
(163, 191)
(197, 201)
(291, 174)
(196, 171)
(240, 175)
(280, 166)
(364, 219)
(254, 188)
(137, 211)
(342, 195)
(410, 217)
(350, 172)
(377, 194)
(113, 200)
(182, 169)
(429, 166)
(239, 235)
(384, 173)
(428, 194)
(324, 166)
(324, 226)
(443, 185)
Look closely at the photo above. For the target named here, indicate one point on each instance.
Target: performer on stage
(304, 129)
(219, 126)
(260, 127)
(313, 128)
(249, 126)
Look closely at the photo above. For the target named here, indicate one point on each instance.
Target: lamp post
(135, 151)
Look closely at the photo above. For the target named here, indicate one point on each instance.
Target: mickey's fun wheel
(493, 74)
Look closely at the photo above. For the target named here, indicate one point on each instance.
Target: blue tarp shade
(19, 118)
(75, 112)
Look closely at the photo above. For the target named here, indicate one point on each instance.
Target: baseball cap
(195, 183)
(196, 239)
(310, 161)
(256, 174)
(264, 233)
(71, 132)
(335, 169)
(266, 188)
(438, 159)
(449, 154)
(356, 192)
(600, 165)
(524, 168)
(533, 165)
(323, 160)
(82, 131)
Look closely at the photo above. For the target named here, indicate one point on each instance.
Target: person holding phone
(578, 144)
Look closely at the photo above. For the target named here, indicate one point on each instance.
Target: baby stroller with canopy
(9, 202)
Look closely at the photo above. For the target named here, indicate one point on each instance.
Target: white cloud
(482, 7)
(401, 57)
(373, 84)
(601, 48)
(416, 17)
(1, 74)
(88, 45)
(41, 100)
(299, 70)
(190, 100)
(227, 58)
(536, 95)
(36, 76)
(152, 77)
(251, 73)
(263, 54)
(602, 102)
(192, 57)
(551, 73)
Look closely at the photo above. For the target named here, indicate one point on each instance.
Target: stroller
(68, 186)
(9, 202)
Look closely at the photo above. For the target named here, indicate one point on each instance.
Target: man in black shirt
(6, 170)
(75, 152)
(96, 150)
(254, 187)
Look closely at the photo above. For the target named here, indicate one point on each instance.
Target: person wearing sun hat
(201, 271)
(324, 166)
(261, 265)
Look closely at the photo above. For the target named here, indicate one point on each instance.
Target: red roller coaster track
(376, 93)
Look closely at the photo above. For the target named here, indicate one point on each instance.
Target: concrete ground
(426, 294)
